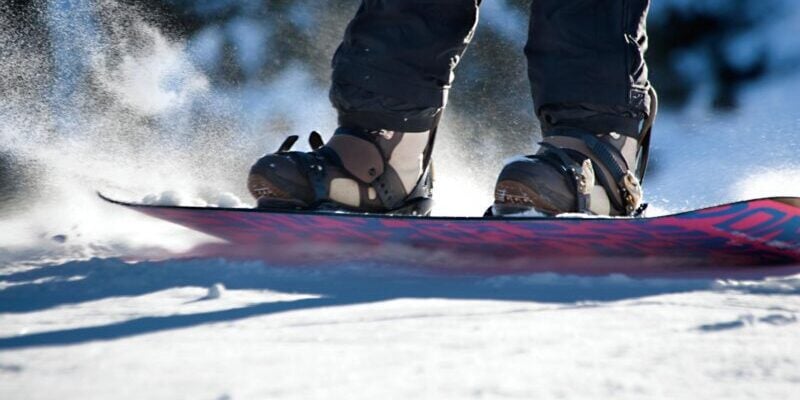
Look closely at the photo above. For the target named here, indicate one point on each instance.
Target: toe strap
(581, 175)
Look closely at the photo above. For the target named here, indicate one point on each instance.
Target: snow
(711, 158)
(173, 198)
(155, 83)
(81, 316)
(506, 21)
(216, 291)
(106, 327)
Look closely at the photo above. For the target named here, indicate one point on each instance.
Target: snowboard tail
(754, 238)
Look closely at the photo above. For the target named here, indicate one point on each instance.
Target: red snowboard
(749, 239)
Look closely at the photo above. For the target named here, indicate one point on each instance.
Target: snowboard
(747, 239)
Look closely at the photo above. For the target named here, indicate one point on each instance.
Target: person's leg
(391, 75)
(591, 94)
(395, 65)
(589, 55)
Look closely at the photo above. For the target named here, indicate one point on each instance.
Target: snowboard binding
(578, 171)
(384, 172)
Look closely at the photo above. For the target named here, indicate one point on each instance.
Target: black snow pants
(395, 65)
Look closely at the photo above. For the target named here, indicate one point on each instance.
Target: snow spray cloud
(104, 101)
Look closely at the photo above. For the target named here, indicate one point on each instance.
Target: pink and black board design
(753, 238)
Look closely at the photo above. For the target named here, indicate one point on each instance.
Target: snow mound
(169, 198)
(215, 291)
(775, 286)
(174, 198)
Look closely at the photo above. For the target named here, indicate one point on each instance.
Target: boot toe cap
(278, 177)
(535, 184)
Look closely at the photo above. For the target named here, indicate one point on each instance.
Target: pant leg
(586, 60)
(395, 65)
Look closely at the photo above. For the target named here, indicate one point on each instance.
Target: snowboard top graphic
(746, 239)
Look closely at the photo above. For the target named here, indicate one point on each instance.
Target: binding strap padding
(646, 133)
(390, 189)
(365, 155)
(360, 158)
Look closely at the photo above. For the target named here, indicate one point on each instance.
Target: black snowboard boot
(592, 165)
(357, 170)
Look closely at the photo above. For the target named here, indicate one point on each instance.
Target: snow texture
(100, 328)
(83, 316)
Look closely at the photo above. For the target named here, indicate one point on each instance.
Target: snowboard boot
(580, 168)
(358, 170)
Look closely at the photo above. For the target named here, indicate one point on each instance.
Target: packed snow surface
(86, 312)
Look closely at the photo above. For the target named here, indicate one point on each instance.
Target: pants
(395, 65)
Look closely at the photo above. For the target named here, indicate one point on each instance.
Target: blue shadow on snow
(84, 281)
